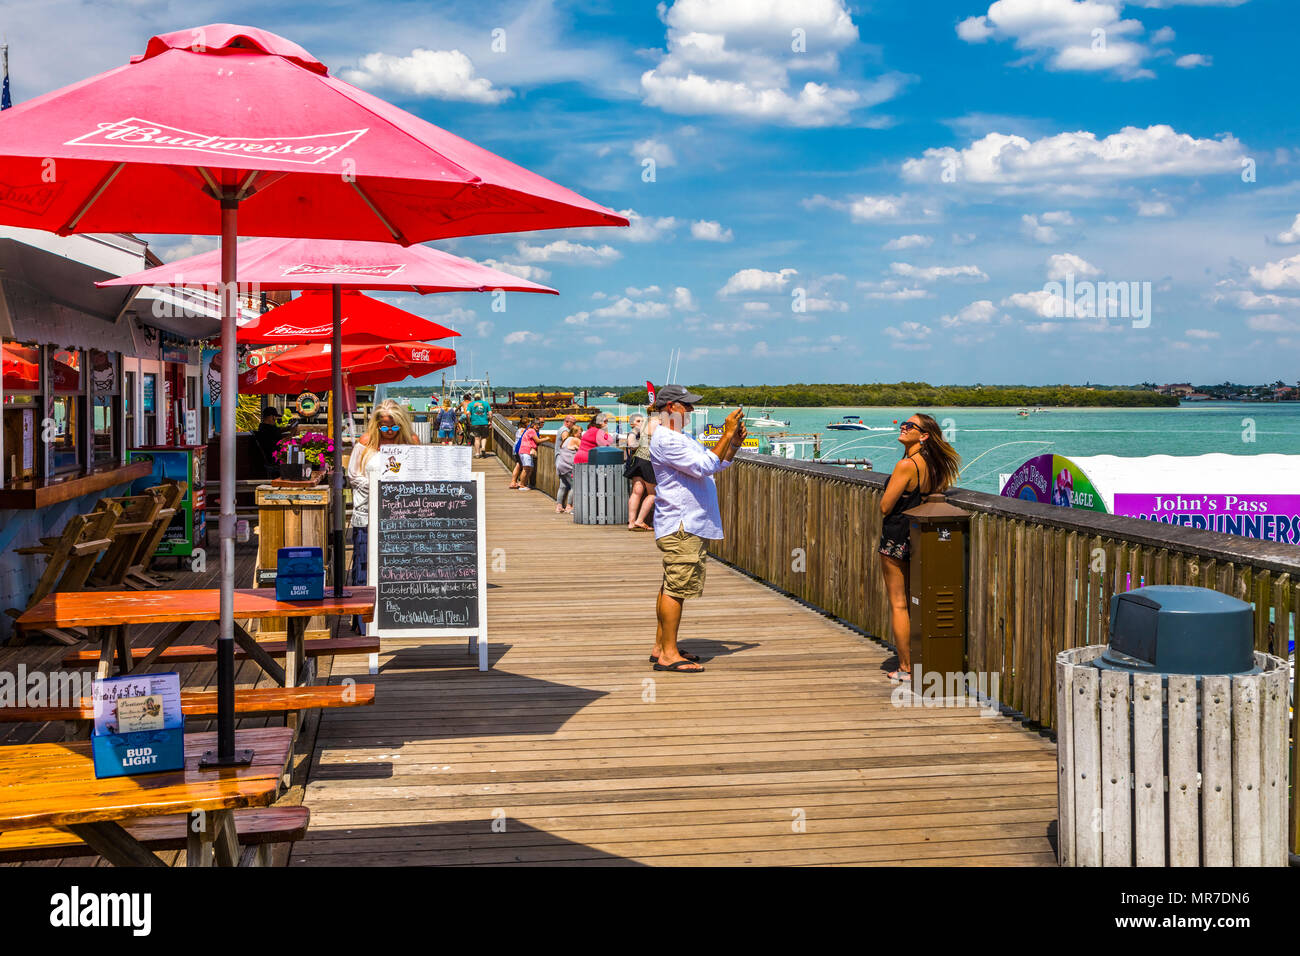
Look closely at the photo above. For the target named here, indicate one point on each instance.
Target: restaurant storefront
(89, 376)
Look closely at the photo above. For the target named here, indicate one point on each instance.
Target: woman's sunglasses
(909, 427)
(393, 429)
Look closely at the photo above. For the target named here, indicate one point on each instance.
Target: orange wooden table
(54, 785)
(109, 616)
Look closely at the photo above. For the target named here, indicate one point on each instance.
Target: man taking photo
(686, 513)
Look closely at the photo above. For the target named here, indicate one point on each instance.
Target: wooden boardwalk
(573, 751)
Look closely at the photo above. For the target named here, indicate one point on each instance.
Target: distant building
(1182, 389)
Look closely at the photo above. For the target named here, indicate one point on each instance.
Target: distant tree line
(918, 395)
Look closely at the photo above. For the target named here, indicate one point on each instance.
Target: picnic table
(54, 785)
(109, 617)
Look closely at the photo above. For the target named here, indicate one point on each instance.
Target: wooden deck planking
(792, 721)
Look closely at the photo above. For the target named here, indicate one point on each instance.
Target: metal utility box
(1173, 629)
(937, 573)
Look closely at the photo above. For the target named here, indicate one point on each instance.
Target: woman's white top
(359, 480)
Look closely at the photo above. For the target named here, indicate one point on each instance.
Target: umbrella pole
(336, 412)
(226, 755)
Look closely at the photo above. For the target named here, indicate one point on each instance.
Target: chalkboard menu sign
(427, 558)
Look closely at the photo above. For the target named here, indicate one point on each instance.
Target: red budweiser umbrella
(280, 264)
(276, 265)
(241, 120)
(308, 368)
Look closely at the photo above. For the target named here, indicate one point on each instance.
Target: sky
(1028, 191)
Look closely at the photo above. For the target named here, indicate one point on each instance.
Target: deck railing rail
(1040, 577)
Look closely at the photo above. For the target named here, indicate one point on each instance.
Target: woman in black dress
(928, 464)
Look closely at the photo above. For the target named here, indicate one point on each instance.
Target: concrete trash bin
(1172, 739)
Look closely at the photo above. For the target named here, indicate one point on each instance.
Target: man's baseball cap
(675, 393)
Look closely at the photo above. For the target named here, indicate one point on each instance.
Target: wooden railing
(1040, 578)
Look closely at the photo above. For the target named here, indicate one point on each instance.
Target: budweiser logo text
(338, 268)
(34, 199)
(141, 134)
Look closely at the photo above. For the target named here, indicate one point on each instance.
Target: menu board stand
(428, 559)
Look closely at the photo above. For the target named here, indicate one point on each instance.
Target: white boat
(849, 423)
(764, 420)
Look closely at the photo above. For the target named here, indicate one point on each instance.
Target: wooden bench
(206, 653)
(248, 701)
(139, 513)
(258, 829)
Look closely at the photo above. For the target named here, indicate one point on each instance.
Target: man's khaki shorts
(683, 563)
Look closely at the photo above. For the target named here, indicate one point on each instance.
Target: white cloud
(757, 307)
(980, 312)
(623, 308)
(1040, 302)
(1192, 60)
(751, 281)
(734, 58)
(484, 329)
(1068, 158)
(1062, 264)
(660, 152)
(191, 246)
(1065, 33)
(1272, 322)
(1291, 236)
(564, 251)
(523, 270)
(1284, 274)
(639, 293)
(521, 337)
(682, 299)
(930, 273)
(909, 242)
(441, 74)
(1201, 333)
(710, 231)
(1154, 209)
(1039, 232)
(1163, 35)
(909, 336)
(1246, 299)
(639, 229)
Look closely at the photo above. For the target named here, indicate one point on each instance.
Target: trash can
(600, 492)
(1172, 738)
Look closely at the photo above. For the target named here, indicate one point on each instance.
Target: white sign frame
(477, 635)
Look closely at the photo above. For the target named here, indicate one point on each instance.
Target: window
(128, 407)
(67, 409)
(149, 408)
(106, 405)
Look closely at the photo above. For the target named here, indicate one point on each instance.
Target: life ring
(307, 405)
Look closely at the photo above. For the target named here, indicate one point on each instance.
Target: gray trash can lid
(1173, 629)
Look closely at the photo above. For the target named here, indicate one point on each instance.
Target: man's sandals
(680, 667)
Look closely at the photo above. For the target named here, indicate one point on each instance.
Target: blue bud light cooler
(300, 574)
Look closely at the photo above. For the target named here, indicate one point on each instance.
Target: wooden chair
(139, 514)
(138, 576)
(70, 558)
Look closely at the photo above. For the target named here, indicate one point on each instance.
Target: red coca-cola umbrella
(363, 320)
(308, 368)
(240, 120)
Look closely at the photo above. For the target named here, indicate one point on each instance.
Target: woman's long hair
(943, 464)
(397, 413)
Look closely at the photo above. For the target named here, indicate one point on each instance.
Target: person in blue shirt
(686, 513)
(480, 413)
(446, 422)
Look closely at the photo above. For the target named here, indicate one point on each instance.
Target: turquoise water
(994, 440)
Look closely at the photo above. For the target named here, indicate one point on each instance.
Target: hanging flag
(5, 102)
(650, 390)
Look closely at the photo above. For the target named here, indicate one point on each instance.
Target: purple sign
(1268, 517)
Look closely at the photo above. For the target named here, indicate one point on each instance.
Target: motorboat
(849, 423)
(763, 420)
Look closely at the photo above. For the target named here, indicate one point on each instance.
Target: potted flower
(299, 455)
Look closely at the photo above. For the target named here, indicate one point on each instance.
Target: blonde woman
(389, 425)
(928, 464)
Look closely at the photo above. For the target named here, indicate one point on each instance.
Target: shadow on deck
(572, 750)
